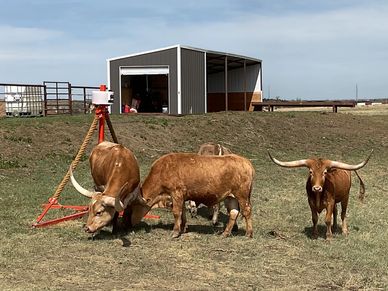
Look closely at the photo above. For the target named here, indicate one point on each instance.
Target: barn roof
(215, 59)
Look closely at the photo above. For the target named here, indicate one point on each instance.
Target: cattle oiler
(328, 183)
(115, 172)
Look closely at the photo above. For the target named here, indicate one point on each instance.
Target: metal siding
(236, 80)
(166, 58)
(193, 82)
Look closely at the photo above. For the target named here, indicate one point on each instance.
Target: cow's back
(113, 161)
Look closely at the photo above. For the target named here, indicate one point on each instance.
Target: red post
(101, 111)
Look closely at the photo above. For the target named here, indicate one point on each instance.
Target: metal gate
(51, 98)
(57, 98)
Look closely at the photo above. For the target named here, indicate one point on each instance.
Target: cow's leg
(335, 226)
(231, 203)
(115, 226)
(127, 218)
(216, 211)
(233, 214)
(177, 210)
(344, 206)
(246, 211)
(193, 208)
(314, 218)
(328, 218)
(184, 220)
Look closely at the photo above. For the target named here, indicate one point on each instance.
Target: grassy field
(35, 154)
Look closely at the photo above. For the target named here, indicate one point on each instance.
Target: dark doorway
(145, 93)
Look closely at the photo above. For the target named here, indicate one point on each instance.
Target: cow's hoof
(225, 234)
(249, 235)
(329, 238)
(175, 234)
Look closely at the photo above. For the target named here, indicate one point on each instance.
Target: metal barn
(184, 80)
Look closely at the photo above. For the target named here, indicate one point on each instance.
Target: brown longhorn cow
(328, 183)
(204, 179)
(116, 177)
(230, 202)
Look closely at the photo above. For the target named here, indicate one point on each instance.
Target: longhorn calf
(116, 177)
(328, 183)
(204, 179)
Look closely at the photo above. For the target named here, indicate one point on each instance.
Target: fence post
(85, 110)
(45, 99)
(70, 99)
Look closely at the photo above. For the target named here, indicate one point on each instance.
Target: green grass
(281, 255)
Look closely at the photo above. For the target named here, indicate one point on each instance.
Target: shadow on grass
(197, 228)
(120, 234)
(107, 235)
(200, 229)
(308, 230)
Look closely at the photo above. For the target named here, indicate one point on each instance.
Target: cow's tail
(361, 193)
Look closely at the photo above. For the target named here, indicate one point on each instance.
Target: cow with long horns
(328, 183)
(116, 177)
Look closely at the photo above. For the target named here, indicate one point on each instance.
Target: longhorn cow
(116, 177)
(328, 183)
(204, 179)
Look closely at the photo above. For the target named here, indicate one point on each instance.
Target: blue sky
(310, 49)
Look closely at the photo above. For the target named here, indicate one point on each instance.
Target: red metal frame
(103, 114)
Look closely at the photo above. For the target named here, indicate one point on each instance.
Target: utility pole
(356, 92)
(269, 92)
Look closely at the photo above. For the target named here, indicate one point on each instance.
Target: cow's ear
(108, 201)
(112, 202)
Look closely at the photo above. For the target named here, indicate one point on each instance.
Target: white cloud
(313, 54)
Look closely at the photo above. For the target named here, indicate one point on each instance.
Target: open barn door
(144, 88)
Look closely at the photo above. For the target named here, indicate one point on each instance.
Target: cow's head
(102, 208)
(319, 168)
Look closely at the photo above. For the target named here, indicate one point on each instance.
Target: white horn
(292, 164)
(78, 187)
(344, 166)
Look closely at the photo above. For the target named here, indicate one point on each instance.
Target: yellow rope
(74, 164)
